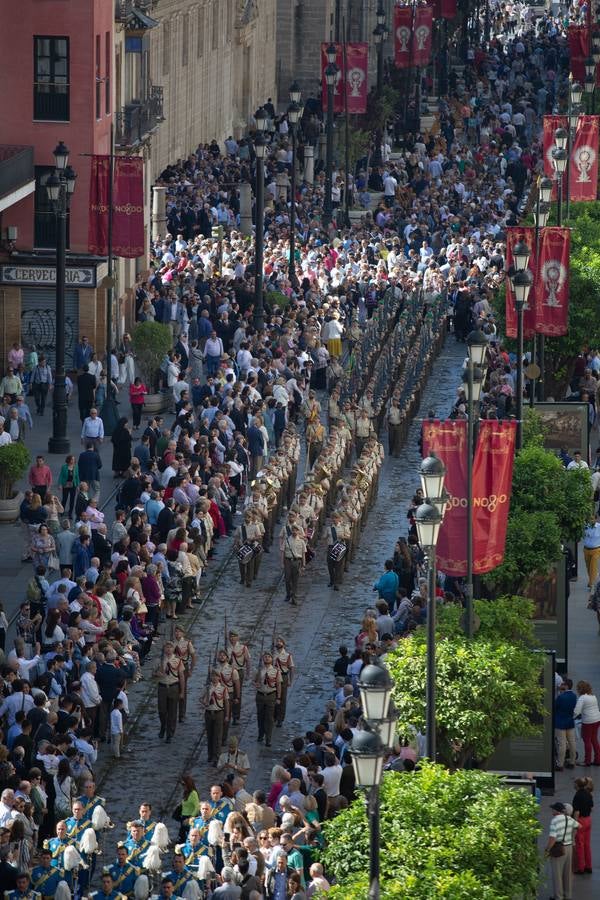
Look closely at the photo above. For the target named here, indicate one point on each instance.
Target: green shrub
(14, 460)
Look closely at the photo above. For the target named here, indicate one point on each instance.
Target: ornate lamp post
(379, 36)
(331, 74)
(522, 281)
(368, 751)
(429, 518)
(60, 187)
(260, 149)
(294, 116)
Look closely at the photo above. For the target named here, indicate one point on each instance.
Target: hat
(558, 807)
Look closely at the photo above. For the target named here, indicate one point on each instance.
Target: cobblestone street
(150, 769)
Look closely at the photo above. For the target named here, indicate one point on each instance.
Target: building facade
(56, 72)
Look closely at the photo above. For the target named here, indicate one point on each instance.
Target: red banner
(338, 90)
(421, 38)
(578, 38)
(98, 211)
(447, 9)
(128, 207)
(552, 283)
(402, 36)
(551, 124)
(448, 440)
(584, 159)
(492, 480)
(357, 66)
(513, 235)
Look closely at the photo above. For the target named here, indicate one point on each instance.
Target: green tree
(532, 545)
(486, 691)
(14, 459)
(151, 342)
(444, 835)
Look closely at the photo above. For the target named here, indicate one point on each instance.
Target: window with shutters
(166, 48)
(200, 38)
(51, 79)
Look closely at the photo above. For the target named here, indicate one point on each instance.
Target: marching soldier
(123, 873)
(230, 678)
(239, 657)
(107, 891)
(338, 534)
(394, 423)
(243, 546)
(216, 712)
(145, 818)
(186, 652)
(136, 845)
(291, 448)
(195, 846)
(76, 824)
(56, 845)
(284, 661)
(268, 695)
(364, 430)
(171, 687)
(315, 438)
(334, 413)
(45, 878)
(23, 891)
(294, 559)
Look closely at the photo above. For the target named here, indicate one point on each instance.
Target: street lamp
(379, 36)
(368, 753)
(368, 750)
(294, 114)
(560, 158)
(60, 188)
(522, 282)
(428, 520)
(473, 380)
(331, 73)
(260, 150)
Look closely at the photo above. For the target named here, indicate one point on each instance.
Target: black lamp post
(429, 518)
(589, 84)
(574, 111)
(522, 281)
(331, 73)
(294, 116)
(368, 750)
(541, 218)
(260, 149)
(473, 380)
(60, 187)
(379, 36)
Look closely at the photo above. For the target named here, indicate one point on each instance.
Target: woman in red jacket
(137, 391)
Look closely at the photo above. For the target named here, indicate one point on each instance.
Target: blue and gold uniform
(56, 846)
(124, 877)
(45, 879)
(89, 805)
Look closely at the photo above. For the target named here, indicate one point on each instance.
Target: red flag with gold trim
(448, 440)
(492, 480)
(403, 20)
(98, 206)
(128, 207)
(584, 160)
(513, 236)
(422, 36)
(552, 282)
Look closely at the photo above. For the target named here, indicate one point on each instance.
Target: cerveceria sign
(84, 277)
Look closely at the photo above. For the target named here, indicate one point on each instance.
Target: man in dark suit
(166, 520)
(102, 546)
(89, 465)
(86, 385)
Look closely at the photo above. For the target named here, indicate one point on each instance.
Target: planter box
(155, 403)
(9, 509)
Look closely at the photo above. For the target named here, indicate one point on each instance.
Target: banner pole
(108, 413)
(470, 432)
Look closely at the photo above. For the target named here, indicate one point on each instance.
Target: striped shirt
(562, 828)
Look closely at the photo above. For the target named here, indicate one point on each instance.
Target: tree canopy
(448, 835)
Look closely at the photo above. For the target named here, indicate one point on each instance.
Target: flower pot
(155, 403)
(9, 509)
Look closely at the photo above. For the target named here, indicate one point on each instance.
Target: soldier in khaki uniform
(364, 430)
(216, 713)
(294, 560)
(337, 531)
(394, 423)
(231, 679)
(248, 533)
(268, 694)
(284, 661)
(171, 688)
(239, 657)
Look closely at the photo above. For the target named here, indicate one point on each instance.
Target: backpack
(34, 591)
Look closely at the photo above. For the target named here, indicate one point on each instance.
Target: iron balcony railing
(136, 121)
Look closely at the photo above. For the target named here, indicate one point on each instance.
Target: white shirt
(331, 780)
(587, 708)
(13, 703)
(7, 814)
(116, 722)
(90, 694)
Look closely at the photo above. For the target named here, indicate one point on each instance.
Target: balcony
(133, 13)
(138, 120)
(17, 175)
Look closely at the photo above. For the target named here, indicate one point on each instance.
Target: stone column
(245, 208)
(159, 211)
(309, 164)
